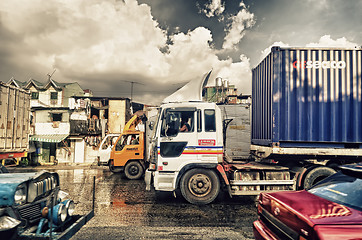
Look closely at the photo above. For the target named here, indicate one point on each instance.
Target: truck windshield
(341, 189)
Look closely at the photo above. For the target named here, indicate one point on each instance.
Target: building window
(35, 95)
(54, 95)
(56, 117)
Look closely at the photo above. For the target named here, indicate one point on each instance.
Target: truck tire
(200, 186)
(133, 170)
(317, 174)
(114, 169)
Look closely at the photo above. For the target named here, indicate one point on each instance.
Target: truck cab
(127, 153)
(192, 159)
(195, 151)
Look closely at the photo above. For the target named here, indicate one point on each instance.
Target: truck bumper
(73, 227)
(160, 181)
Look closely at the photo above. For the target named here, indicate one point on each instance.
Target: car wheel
(200, 186)
(317, 174)
(133, 170)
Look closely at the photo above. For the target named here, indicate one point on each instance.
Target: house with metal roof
(50, 125)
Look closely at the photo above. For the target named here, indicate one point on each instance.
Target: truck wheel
(317, 174)
(200, 186)
(133, 170)
(114, 169)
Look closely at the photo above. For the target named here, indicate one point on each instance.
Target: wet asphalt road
(124, 210)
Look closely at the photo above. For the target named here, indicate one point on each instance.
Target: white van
(105, 148)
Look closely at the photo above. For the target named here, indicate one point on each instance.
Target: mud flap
(221, 170)
(148, 177)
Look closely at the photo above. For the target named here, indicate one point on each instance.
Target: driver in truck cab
(185, 126)
(134, 140)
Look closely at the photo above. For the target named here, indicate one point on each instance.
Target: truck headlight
(58, 214)
(20, 195)
(69, 205)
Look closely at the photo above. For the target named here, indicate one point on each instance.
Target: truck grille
(41, 187)
(277, 227)
(30, 212)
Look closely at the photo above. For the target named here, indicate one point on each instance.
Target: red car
(331, 209)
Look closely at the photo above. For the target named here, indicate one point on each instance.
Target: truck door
(208, 144)
(127, 148)
(178, 138)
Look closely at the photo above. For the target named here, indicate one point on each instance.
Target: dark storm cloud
(298, 23)
(162, 44)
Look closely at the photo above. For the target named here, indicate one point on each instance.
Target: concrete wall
(63, 155)
(44, 116)
(44, 125)
(90, 154)
(118, 115)
(70, 90)
(44, 98)
(50, 128)
(79, 155)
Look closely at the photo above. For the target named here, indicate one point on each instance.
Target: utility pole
(133, 82)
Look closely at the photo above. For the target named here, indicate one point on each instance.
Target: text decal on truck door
(207, 142)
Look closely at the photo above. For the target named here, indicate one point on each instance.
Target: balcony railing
(90, 126)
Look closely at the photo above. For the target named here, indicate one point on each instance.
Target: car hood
(316, 210)
(16, 178)
(9, 183)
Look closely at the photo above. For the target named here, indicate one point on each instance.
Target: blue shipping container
(308, 97)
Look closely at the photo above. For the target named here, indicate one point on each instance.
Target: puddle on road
(122, 202)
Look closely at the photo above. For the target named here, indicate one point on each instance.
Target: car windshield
(342, 189)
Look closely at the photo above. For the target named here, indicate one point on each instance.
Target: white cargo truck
(14, 123)
(297, 138)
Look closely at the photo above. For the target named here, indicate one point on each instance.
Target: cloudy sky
(162, 44)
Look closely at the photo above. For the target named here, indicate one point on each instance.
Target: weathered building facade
(50, 125)
(68, 123)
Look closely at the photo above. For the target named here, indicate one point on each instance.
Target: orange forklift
(129, 150)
